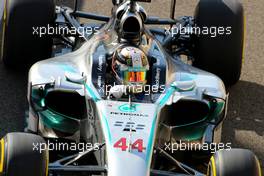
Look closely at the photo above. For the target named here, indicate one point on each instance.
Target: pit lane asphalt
(244, 126)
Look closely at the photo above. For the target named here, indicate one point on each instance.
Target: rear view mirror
(75, 78)
(183, 86)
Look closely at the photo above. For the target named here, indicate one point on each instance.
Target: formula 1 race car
(124, 96)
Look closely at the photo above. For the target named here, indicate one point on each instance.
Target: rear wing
(149, 20)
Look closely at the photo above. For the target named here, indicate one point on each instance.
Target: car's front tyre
(234, 162)
(19, 155)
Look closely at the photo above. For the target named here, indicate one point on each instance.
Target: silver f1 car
(121, 97)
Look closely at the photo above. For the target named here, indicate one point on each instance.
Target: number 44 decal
(137, 145)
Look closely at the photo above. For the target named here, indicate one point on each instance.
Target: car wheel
(219, 49)
(18, 157)
(234, 162)
(21, 45)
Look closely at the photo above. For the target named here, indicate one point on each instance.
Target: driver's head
(130, 66)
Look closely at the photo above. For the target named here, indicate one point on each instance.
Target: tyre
(21, 46)
(19, 158)
(220, 53)
(234, 162)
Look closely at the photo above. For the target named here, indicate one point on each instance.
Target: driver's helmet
(130, 66)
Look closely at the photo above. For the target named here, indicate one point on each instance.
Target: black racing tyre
(21, 46)
(18, 157)
(234, 162)
(221, 54)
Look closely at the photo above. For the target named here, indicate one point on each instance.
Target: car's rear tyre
(234, 162)
(20, 44)
(19, 157)
(222, 54)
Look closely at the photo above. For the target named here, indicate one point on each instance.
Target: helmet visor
(134, 76)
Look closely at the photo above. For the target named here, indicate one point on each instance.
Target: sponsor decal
(157, 77)
(129, 114)
(100, 81)
(100, 63)
(128, 108)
